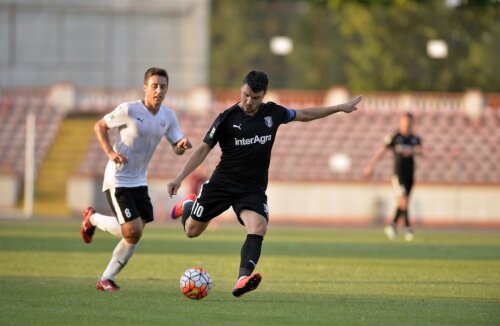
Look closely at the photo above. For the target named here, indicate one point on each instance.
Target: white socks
(123, 250)
(121, 256)
(106, 223)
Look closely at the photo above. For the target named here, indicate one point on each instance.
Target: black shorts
(130, 203)
(215, 198)
(402, 185)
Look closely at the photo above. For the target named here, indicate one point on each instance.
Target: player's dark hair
(257, 80)
(409, 115)
(154, 71)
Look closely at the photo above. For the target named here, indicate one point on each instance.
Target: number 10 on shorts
(197, 210)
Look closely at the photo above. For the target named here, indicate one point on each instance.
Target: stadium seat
(301, 150)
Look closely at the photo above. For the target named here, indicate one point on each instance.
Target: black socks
(186, 211)
(401, 213)
(404, 214)
(250, 253)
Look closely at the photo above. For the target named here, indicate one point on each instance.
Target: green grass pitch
(311, 276)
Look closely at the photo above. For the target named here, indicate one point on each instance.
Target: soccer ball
(196, 283)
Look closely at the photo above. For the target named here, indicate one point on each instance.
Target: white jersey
(139, 132)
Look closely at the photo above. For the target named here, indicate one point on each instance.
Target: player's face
(250, 100)
(405, 124)
(155, 90)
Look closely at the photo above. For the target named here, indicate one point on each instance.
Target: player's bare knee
(133, 236)
(261, 230)
(194, 228)
(192, 233)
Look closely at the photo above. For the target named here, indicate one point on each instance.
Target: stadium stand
(14, 107)
(460, 149)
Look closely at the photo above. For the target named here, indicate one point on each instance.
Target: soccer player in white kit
(141, 125)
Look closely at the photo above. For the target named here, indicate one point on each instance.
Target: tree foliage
(362, 44)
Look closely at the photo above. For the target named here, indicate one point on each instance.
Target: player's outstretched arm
(198, 156)
(314, 113)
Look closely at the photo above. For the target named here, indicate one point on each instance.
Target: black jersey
(246, 142)
(404, 166)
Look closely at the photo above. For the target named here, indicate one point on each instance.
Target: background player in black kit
(245, 133)
(405, 145)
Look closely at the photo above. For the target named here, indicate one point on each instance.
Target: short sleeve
(290, 115)
(389, 141)
(284, 115)
(118, 117)
(213, 134)
(173, 133)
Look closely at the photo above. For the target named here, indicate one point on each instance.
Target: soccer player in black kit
(245, 133)
(405, 146)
